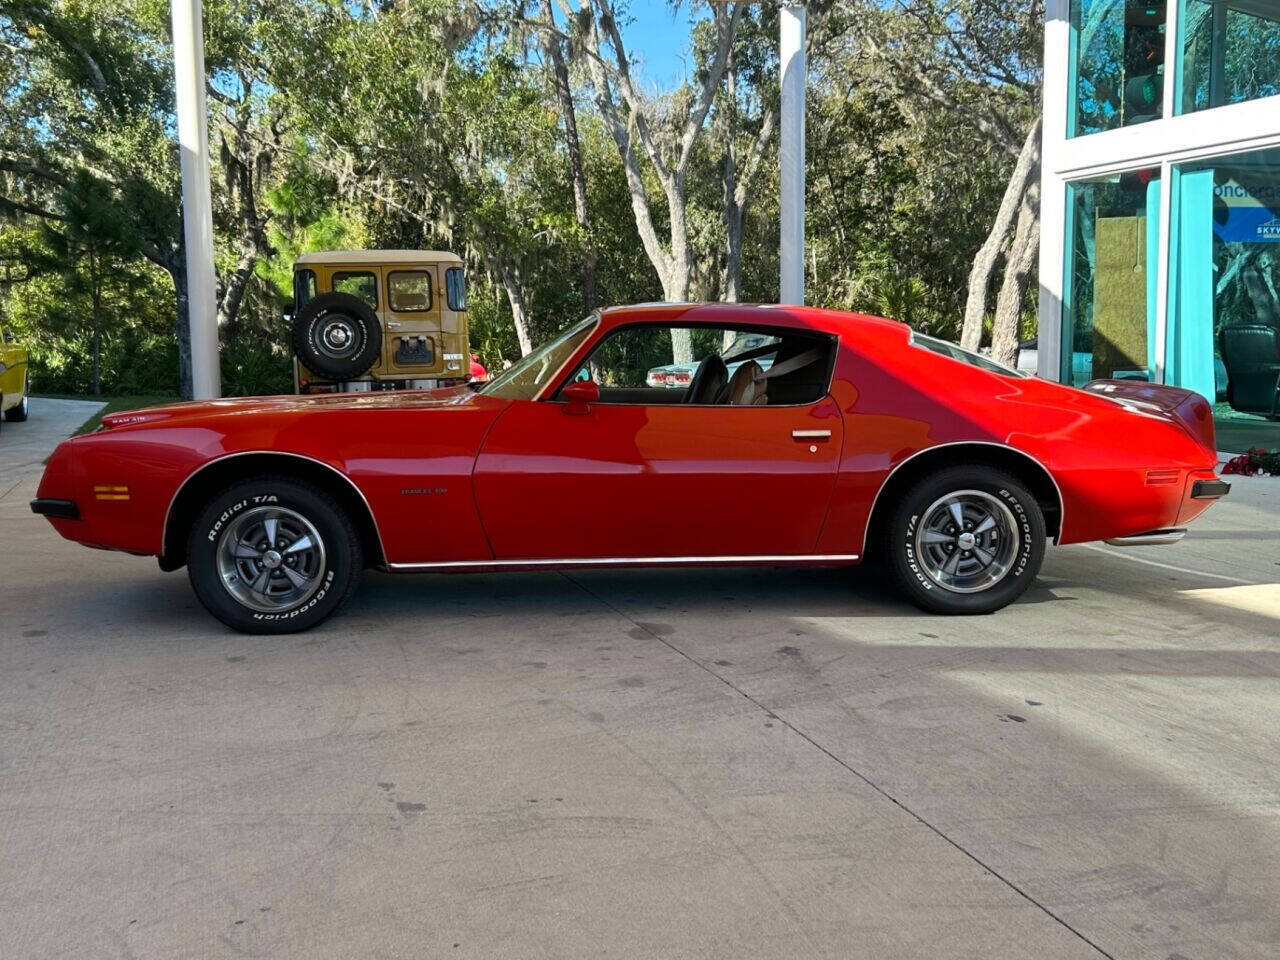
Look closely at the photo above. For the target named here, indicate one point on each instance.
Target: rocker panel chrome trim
(1150, 539)
(624, 561)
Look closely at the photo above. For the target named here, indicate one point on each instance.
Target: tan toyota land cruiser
(378, 320)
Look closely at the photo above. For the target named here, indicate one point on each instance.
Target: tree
(665, 134)
(91, 240)
(553, 46)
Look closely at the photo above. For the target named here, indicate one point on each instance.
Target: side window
(647, 364)
(455, 289)
(359, 284)
(409, 291)
(304, 288)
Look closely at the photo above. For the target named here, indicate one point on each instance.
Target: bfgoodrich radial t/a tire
(336, 335)
(273, 555)
(965, 540)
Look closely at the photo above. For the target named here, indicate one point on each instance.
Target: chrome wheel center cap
(272, 559)
(966, 541)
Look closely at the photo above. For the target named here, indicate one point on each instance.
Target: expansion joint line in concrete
(666, 642)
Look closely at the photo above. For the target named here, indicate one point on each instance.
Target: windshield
(524, 379)
(957, 352)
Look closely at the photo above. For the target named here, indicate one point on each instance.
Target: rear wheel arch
(1022, 466)
(230, 469)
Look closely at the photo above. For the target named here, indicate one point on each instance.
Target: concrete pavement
(760, 763)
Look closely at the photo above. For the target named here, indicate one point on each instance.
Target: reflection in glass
(1224, 291)
(1116, 64)
(1230, 52)
(1109, 291)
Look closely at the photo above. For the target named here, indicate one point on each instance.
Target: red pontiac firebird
(836, 437)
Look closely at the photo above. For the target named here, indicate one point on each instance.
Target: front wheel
(965, 540)
(273, 555)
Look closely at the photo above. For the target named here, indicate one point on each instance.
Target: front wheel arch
(230, 469)
(1021, 466)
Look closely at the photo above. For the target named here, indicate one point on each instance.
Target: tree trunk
(177, 268)
(96, 382)
(510, 280)
(237, 283)
(732, 210)
(1024, 171)
(564, 94)
(1013, 290)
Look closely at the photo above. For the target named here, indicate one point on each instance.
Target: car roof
(379, 256)
(844, 323)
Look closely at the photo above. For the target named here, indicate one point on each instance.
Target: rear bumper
(51, 507)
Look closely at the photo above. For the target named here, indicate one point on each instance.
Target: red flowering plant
(1255, 462)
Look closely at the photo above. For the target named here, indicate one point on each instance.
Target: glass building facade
(1160, 203)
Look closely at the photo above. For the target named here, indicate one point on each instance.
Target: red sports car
(840, 437)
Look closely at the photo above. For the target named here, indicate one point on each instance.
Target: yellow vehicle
(378, 320)
(15, 381)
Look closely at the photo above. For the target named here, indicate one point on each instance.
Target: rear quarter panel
(899, 400)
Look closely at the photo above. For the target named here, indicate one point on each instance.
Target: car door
(652, 477)
(13, 368)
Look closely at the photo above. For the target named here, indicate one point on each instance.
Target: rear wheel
(965, 540)
(273, 555)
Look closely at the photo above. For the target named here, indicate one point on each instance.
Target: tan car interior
(800, 373)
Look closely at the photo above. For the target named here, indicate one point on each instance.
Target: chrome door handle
(811, 434)
(393, 324)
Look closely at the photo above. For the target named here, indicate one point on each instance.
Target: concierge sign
(1246, 213)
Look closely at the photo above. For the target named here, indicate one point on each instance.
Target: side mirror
(579, 396)
(287, 312)
(9, 337)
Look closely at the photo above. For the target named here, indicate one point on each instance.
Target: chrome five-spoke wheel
(967, 541)
(270, 559)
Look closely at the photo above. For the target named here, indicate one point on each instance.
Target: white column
(197, 208)
(791, 42)
(1053, 188)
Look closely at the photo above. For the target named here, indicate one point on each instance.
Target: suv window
(409, 291)
(359, 284)
(455, 289)
(304, 288)
(637, 365)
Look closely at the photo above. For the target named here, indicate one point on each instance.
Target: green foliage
(433, 124)
(252, 367)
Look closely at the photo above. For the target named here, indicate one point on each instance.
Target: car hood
(186, 413)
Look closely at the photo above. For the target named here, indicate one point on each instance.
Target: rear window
(409, 291)
(957, 352)
(359, 284)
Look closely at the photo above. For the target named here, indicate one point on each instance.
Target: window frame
(333, 282)
(431, 293)
(832, 340)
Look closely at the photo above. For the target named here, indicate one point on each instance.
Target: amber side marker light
(110, 492)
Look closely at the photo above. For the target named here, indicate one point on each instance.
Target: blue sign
(1251, 213)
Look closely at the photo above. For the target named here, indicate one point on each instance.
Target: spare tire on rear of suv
(336, 335)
